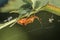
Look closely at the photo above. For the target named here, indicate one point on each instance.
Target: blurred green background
(35, 30)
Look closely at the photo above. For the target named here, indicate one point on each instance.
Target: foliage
(25, 8)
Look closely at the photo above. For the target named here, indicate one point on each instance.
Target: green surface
(13, 33)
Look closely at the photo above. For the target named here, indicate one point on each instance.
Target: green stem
(53, 9)
(8, 23)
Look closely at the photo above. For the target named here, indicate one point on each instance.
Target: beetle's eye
(5, 17)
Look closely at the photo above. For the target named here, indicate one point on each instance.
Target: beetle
(28, 20)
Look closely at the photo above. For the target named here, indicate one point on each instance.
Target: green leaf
(25, 9)
(27, 1)
(38, 3)
(55, 2)
(12, 5)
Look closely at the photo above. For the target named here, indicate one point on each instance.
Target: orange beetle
(28, 20)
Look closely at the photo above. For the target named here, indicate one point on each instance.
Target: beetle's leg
(36, 17)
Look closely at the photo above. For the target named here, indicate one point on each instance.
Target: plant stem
(53, 9)
(8, 23)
